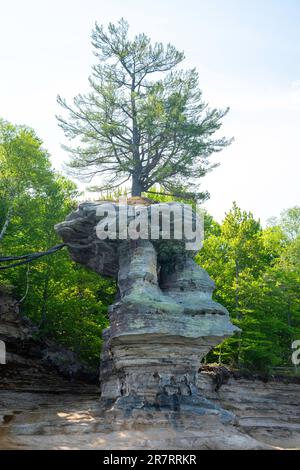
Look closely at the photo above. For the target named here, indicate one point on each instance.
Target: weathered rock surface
(35, 364)
(268, 411)
(268, 416)
(42, 409)
(152, 397)
(164, 320)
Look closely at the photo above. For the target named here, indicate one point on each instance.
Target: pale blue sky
(247, 53)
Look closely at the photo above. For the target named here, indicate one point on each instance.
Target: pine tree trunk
(136, 189)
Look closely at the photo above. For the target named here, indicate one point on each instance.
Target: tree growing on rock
(144, 120)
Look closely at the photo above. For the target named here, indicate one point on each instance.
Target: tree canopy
(24, 167)
(256, 271)
(67, 302)
(144, 120)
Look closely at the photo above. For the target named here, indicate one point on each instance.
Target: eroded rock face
(162, 323)
(268, 417)
(32, 363)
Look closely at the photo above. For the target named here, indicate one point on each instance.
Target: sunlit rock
(163, 321)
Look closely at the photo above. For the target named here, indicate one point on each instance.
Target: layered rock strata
(164, 320)
(31, 363)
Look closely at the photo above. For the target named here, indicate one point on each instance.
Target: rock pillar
(162, 324)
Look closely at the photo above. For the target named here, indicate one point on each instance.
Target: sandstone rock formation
(41, 408)
(267, 416)
(164, 320)
(33, 364)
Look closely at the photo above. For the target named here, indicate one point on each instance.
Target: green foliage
(257, 276)
(289, 220)
(143, 119)
(256, 270)
(68, 302)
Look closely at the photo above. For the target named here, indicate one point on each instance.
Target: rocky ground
(267, 411)
(70, 417)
